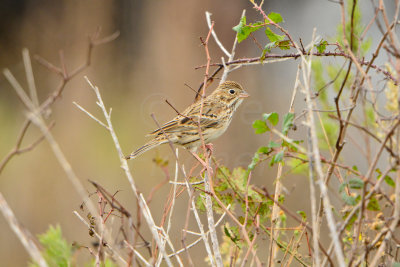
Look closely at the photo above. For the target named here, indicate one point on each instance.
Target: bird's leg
(210, 149)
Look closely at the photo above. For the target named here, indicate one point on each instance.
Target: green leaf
(283, 45)
(302, 214)
(349, 200)
(291, 145)
(278, 157)
(200, 204)
(221, 185)
(356, 183)
(321, 47)
(287, 122)
(263, 208)
(272, 117)
(273, 37)
(260, 126)
(243, 30)
(389, 181)
(241, 35)
(264, 150)
(57, 251)
(227, 199)
(231, 234)
(267, 49)
(239, 178)
(273, 144)
(275, 17)
(254, 161)
(373, 204)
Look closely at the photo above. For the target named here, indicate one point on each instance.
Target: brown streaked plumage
(217, 113)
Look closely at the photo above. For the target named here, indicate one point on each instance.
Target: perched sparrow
(217, 113)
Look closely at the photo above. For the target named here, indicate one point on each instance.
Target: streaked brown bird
(217, 112)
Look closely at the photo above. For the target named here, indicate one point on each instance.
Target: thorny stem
(258, 60)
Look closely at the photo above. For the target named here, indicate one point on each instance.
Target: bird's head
(231, 93)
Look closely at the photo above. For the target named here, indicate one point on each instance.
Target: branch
(258, 60)
(22, 233)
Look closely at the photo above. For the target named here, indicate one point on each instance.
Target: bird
(214, 114)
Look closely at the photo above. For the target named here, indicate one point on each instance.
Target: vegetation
(352, 214)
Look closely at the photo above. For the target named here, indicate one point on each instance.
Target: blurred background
(154, 56)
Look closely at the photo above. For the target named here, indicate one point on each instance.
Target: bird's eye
(231, 91)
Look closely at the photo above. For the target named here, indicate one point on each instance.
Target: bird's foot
(210, 149)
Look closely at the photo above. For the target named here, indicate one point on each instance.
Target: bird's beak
(244, 95)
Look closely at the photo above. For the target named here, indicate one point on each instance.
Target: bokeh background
(154, 56)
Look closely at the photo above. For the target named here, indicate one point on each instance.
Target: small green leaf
(275, 17)
(283, 45)
(263, 209)
(254, 161)
(231, 234)
(273, 144)
(56, 250)
(243, 30)
(226, 231)
(356, 183)
(241, 35)
(373, 204)
(227, 199)
(278, 157)
(200, 204)
(239, 178)
(389, 181)
(302, 214)
(287, 122)
(260, 126)
(349, 200)
(268, 47)
(273, 37)
(292, 145)
(222, 186)
(321, 46)
(264, 150)
(272, 117)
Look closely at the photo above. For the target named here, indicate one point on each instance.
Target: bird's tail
(149, 145)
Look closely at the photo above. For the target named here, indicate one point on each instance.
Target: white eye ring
(231, 91)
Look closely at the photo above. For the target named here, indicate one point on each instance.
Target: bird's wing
(188, 121)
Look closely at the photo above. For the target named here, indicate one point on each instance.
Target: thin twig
(124, 165)
(22, 233)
